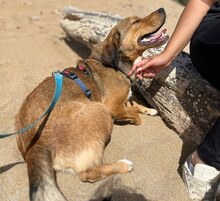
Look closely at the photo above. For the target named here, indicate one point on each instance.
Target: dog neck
(98, 53)
(109, 57)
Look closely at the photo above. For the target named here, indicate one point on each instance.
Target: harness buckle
(72, 76)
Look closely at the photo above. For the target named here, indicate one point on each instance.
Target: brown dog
(73, 136)
(129, 39)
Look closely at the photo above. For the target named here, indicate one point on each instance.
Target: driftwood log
(186, 102)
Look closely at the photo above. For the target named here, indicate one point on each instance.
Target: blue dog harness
(74, 77)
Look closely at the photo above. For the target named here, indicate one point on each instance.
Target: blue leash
(57, 93)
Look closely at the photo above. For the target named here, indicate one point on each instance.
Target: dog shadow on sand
(114, 190)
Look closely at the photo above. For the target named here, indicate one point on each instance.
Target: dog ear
(111, 48)
(109, 51)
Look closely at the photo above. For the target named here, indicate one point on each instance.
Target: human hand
(149, 67)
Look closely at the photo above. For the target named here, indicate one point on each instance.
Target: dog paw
(152, 112)
(128, 163)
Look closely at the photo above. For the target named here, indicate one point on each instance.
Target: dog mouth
(156, 38)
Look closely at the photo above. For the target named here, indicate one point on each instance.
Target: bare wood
(186, 102)
(86, 27)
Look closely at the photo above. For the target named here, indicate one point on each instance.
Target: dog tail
(42, 179)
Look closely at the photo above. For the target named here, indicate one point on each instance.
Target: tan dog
(73, 136)
(129, 39)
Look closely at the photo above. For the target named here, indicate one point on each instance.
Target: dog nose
(161, 10)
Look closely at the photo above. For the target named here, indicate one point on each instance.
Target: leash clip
(56, 72)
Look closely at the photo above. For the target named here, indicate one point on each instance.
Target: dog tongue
(155, 36)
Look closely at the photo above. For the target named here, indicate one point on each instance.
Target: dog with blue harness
(72, 136)
(73, 132)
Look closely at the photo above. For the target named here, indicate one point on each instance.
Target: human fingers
(136, 66)
(144, 66)
(147, 73)
(139, 76)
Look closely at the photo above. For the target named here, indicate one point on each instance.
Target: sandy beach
(32, 46)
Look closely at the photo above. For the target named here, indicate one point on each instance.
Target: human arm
(189, 20)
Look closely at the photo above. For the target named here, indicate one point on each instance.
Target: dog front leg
(126, 115)
(142, 109)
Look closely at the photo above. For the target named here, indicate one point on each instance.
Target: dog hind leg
(103, 171)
